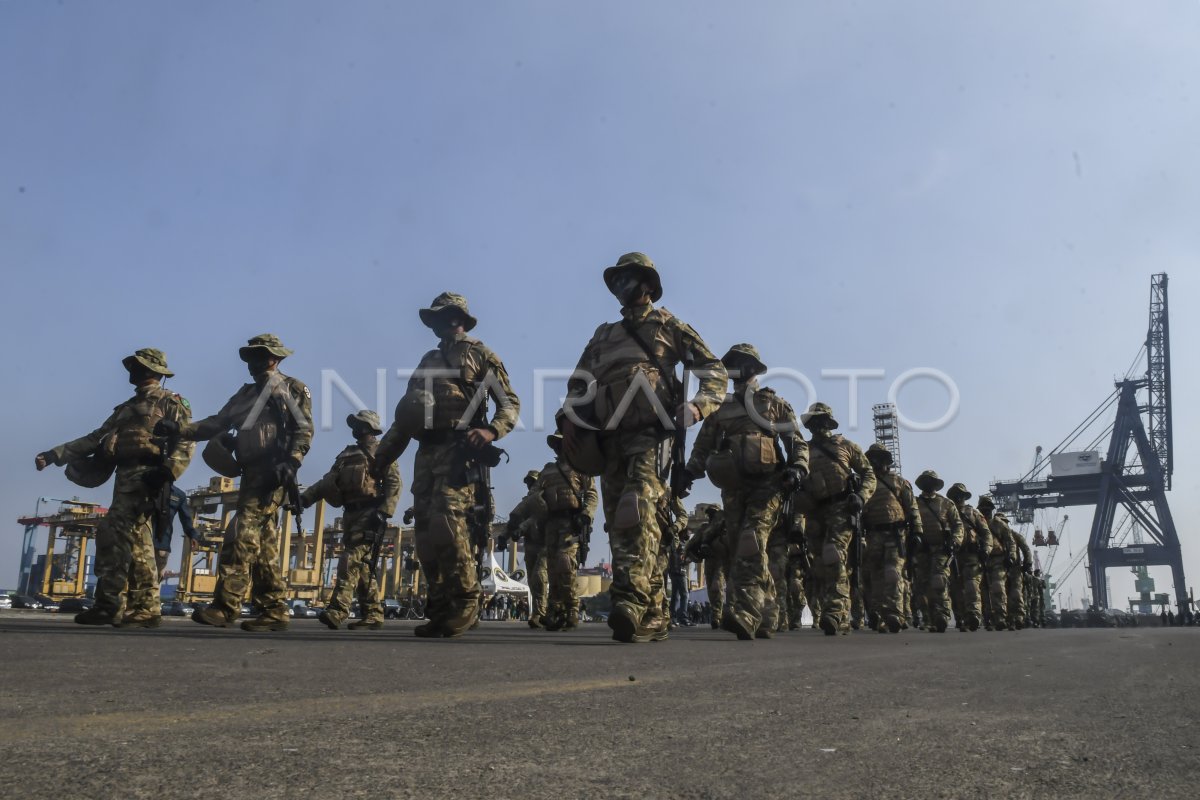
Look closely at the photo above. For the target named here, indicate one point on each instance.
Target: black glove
(948, 547)
(501, 543)
(583, 522)
(285, 471)
(703, 551)
(166, 427)
(855, 503)
(379, 518)
(793, 478)
(1027, 569)
(409, 516)
(914, 544)
(685, 483)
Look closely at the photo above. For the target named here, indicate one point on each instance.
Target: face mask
(627, 288)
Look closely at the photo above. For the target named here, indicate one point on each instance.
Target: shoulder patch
(183, 401)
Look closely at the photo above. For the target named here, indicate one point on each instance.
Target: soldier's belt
(835, 498)
(891, 527)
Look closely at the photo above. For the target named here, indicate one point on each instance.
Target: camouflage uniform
(1017, 608)
(709, 544)
(1002, 555)
(1037, 600)
(367, 504)
(273, 420)
(828, 512)
(527, 524)
(125, 560)
(941, 537)
(672, 521)
(977, 543)
(634, 440)
(569, 499)
(739, 447)
(891, 520)
(458, 375)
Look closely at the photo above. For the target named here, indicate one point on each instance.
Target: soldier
(273, 419)
(708, 544)
(893, 526)
(839, 484)
(672, 521)
(525, 522)
(977, 543)
(368, 503)
(569, 498)
(941, 537)
(125, 559)
(1022, 566)
(1037, 600)
(797, 570)
(626, 386)
(452, 383)
(751, 449)
(1003, 550)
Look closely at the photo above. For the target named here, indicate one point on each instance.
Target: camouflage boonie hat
(742, 353)
(1002, 517)
(958, 490)
(879, 451)
(447, 301)
(818, 410)
(532, 476)
(264, 341)
(641, 263)
(365, 419)
(150, 358)
(931, 479)
(986, 502)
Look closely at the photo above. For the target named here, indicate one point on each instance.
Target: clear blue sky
(983, 189)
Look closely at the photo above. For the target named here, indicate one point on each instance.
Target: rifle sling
(668, 375)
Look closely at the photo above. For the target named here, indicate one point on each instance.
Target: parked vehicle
(177, 608)
(5, 601)
(48, 603)
(301, 609)
(24, 601)
(75, 605)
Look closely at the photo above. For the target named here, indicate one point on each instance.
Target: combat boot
(655, 629)
(938, 626)
(329, 620)
(829, 625)
(571, 622)
(366, 625)
(139, 619)
(732, 624)
(93, 616)
(624, 628)
(764, 633)
(972, 624)
(894, 623)
(428, 630)
(536, 623)
(261, 624)
(554, 622)
(211, 616)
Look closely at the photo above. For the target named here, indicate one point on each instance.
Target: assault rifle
(858, 542)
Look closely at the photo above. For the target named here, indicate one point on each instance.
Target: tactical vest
(268, 439)
(563, 489)
(998, 529)
(934, 512)
(625, 373)
(452, 394)
(884, 506)
(132, 440)
(828, 477)
(353, 479)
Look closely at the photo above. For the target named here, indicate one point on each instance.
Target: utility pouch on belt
(754, 455)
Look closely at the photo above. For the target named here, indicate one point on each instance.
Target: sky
(983, 190)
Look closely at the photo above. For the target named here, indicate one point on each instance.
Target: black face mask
(627, 288)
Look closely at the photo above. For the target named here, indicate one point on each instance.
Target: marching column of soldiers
(813, 522)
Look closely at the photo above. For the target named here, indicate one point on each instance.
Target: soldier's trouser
(125, 557)
(970, 577)
(354, 575)
(933, 581)
(562, 556)
(777, 608)
(906, 598)
(795, 586)
(829, 532)
(714, 580)
(956, 594)
(538, 574)
(632, 494)
(997, 591)
(249, 561)
(443, 540)
(1016, 597)
(751, 513)
(883, 566)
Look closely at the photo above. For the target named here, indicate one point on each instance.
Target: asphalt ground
(506, 712)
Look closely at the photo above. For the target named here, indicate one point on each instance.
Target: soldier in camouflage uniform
(1021, 568)
(672, 521)
(709, 544)
(272, 417)
(977, 543)
(1037, 600)
(941, 538)
(124, 547)
(624, 408)
(526, 523)
(750, 448)
(893, 526)
(368, 503)
(839, 484)
(569, 499)
(1002, 556)
(453, 381)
